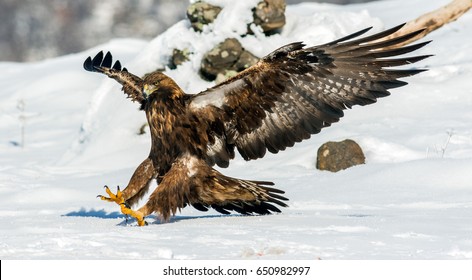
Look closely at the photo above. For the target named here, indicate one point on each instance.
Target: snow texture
(411, 200)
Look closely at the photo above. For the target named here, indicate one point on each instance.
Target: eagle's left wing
(132, 84)
(295, 92)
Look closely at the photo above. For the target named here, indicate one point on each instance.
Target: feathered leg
(139, 183)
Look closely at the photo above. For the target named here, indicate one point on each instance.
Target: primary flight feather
(290, 94)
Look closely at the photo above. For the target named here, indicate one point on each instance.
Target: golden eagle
(290, 94)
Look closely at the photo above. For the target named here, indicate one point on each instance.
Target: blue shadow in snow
(95, 213)
(151, 219)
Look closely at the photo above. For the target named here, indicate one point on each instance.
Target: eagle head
(158, 84)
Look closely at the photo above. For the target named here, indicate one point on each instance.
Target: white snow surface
(411, 200)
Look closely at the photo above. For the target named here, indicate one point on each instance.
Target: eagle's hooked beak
(148, 90)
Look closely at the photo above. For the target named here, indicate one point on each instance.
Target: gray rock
(226, 59)
(270, 15)
(201, 14)
(336, 156)
(178, 57)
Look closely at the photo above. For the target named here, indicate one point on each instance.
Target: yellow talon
(135, 214)
(118, 198)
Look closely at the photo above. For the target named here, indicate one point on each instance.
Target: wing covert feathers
(295, 91)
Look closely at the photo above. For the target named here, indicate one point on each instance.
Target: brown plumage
(286, 97)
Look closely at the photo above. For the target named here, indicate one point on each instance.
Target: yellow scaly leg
(135, 214)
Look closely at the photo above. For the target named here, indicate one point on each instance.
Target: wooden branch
(433, 20)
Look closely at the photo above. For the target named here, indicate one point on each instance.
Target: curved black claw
(117, 198)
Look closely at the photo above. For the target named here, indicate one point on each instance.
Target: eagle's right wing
(132, 84)
(294, 92)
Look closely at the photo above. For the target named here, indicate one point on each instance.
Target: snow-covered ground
(412, 200)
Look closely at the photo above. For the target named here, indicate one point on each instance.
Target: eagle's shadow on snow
(151, 219)
(95, 214)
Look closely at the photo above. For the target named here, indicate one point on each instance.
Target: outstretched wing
(132, 85)
(294, 92)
